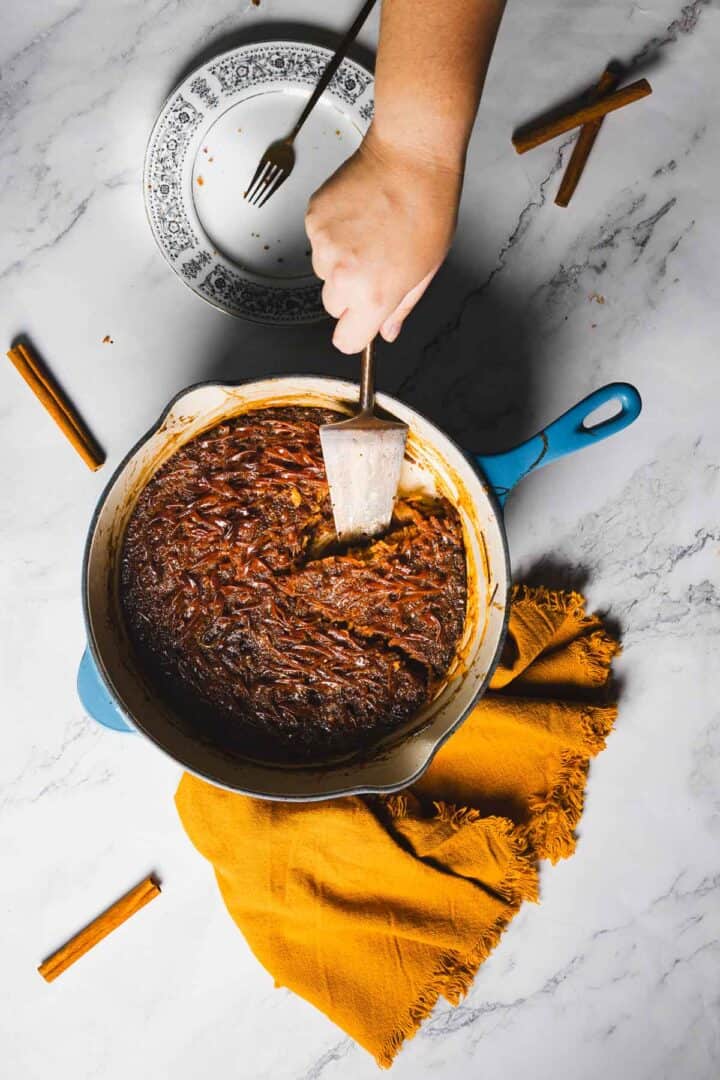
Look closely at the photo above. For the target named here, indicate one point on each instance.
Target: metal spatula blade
(363, 458)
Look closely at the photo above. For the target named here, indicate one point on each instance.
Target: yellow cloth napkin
(370, 908)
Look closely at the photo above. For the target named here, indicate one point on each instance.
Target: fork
(278, 161)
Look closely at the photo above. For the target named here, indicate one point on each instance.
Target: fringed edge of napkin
(596, 650)
(569, 603)
(549, 835)
(454, 974)
(556, 813)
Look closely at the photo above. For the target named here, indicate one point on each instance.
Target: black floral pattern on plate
(164, 197)
(200, 87)
(242, 297)
(302, 64)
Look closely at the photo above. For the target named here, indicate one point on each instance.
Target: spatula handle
(367, 378)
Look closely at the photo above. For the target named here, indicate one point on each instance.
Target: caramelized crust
(264, 633)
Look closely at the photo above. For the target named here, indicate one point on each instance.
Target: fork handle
(333, 64)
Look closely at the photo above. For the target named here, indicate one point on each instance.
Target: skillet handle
(95, 698)
(565, 435)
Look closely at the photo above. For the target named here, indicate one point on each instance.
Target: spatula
(363, 457)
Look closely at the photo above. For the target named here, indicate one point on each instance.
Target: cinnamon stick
(535, 136)
(588, 133)
(99, 928)
(49, 394)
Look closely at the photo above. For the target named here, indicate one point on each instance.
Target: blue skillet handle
(95, 697)
(567, 434)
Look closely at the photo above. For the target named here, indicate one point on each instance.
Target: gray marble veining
(617, 972)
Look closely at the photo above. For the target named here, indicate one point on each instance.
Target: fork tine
(261, 182)
(262, 179)
(255, 180)
(259, 173)
(269, 181)
(266, 180)
(277, 182)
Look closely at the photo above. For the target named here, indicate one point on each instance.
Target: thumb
(393, 324)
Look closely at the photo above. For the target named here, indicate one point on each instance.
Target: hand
(379, 228)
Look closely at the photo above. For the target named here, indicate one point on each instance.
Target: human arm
(381, 226)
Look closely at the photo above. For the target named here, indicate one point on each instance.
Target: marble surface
(617, 971)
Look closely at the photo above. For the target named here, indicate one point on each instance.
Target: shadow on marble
(554, 573)
(472, 379)
(472, 363)
(276, 30)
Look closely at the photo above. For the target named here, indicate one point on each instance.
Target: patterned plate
(204, 148)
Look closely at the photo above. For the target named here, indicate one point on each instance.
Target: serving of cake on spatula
(363, 458)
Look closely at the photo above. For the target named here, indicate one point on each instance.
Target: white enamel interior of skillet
(435, 464)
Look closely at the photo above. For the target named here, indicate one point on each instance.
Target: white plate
(203, 151)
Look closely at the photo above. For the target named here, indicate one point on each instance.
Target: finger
(333, 298)
(322, 261)
(368, 305)
(392, 326)
(312, 217)
(356, 327)
(323, 253)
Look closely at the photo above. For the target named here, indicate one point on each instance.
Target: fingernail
(393, 331)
